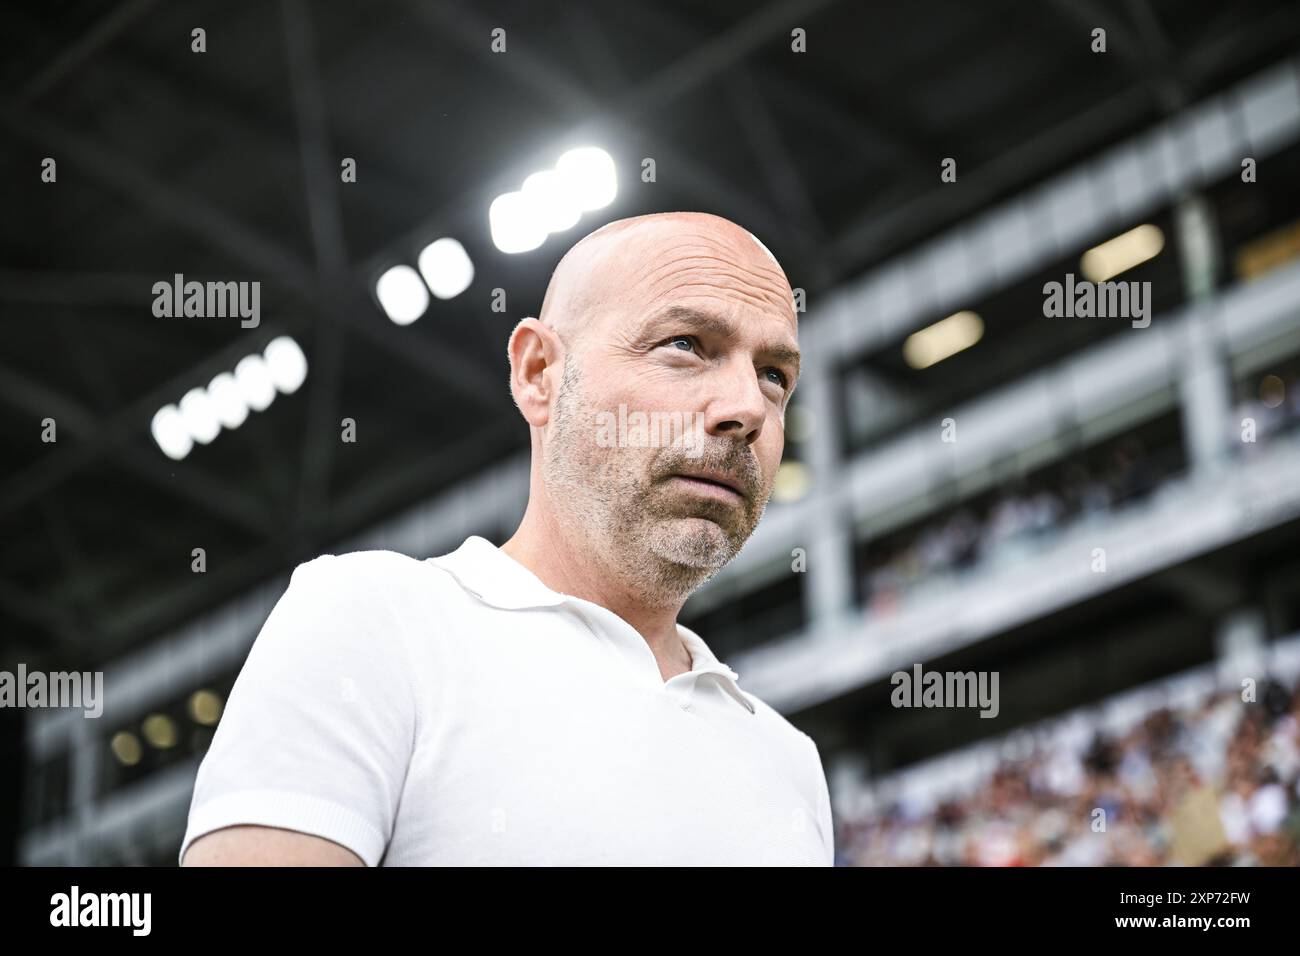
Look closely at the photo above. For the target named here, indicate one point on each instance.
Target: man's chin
(693, 542)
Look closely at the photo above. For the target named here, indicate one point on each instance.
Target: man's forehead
(737, 314)
(658, 258)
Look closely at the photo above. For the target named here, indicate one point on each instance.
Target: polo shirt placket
(635, 653)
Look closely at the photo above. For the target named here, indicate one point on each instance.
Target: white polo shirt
(456, 711)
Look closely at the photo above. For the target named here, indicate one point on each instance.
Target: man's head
(652, 325)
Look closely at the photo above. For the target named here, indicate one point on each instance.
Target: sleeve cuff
(288, 811)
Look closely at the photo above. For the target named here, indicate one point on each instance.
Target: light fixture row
(445, 270)
(227, 400)
(553, 200)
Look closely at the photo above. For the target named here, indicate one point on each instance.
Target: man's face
(676, 390)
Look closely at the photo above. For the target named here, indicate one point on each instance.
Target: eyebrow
(714, 324)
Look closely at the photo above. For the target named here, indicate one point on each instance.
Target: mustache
(736, 461)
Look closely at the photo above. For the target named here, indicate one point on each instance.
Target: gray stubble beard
(663, 566)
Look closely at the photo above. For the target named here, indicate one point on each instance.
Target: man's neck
(571, 568)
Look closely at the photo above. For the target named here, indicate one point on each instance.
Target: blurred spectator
(1038, 810)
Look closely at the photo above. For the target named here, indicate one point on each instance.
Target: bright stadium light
(168, 430)
(402, 294)
(446, 268)
(945, 338)
(255, 382)
(227, 400)
(1104, 262)
(588, 177)
(555, 202)
(287, 364)
(199, 415)
(515, 223)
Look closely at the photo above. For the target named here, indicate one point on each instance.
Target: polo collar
(495, 578)
(703, 661)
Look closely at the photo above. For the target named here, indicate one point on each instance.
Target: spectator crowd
(1213, 783)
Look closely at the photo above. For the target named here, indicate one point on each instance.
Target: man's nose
(738, 407)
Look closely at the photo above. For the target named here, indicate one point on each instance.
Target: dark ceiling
(224, 165)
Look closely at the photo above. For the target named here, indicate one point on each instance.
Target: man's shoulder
(362, 564)
(371, 574)
(380, 575)
(359, 601)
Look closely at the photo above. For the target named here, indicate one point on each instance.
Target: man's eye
(689, 340)
(780, 378)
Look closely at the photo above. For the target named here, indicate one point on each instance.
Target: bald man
(538, 703)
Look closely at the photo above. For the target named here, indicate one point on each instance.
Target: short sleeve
(320, 725)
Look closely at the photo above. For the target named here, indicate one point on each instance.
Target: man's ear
(536, 360)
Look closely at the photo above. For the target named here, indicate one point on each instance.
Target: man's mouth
(712, 484)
